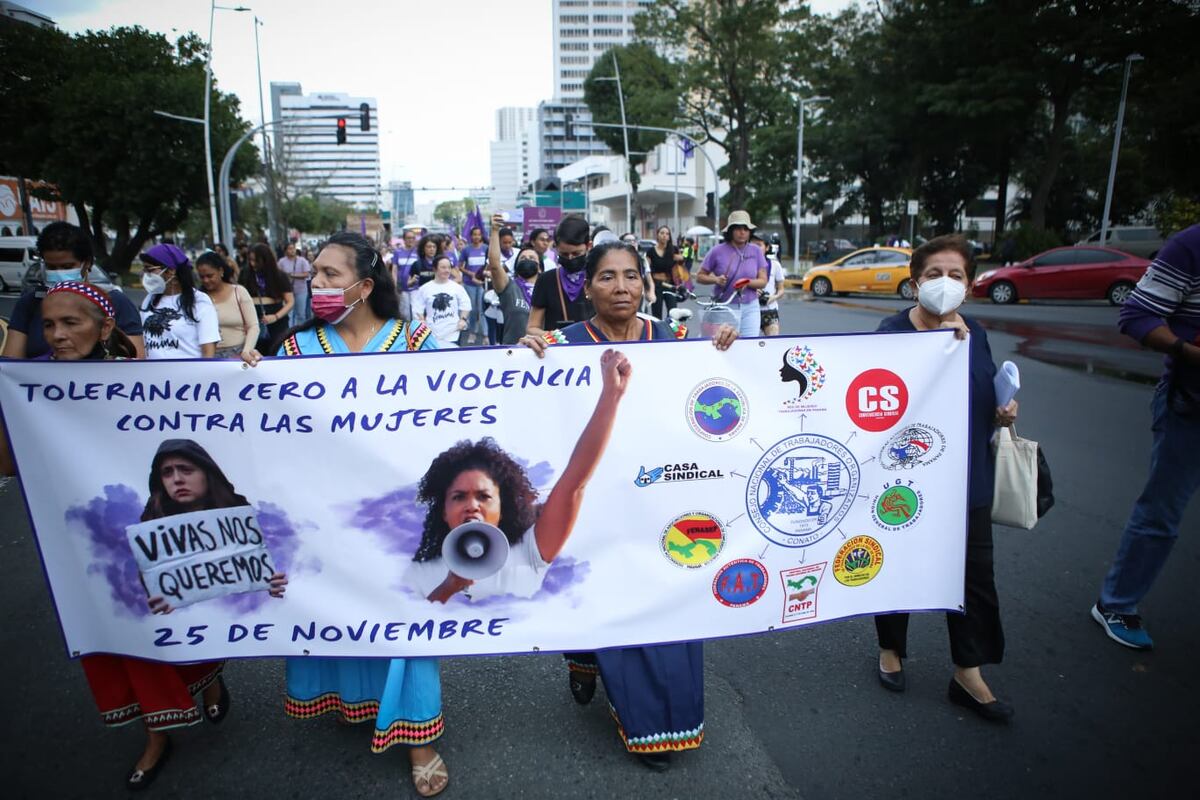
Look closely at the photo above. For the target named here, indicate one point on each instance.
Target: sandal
(140, 779)
(425, 773)
(216, 712)
(582, 690)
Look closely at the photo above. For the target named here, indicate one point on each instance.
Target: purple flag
(474, 220)
(363, 224)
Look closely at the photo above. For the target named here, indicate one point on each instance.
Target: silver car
(1138, 240)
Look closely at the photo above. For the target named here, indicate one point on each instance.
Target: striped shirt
(1169, 294)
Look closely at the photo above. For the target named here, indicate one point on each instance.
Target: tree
(85, 106)
(453, 212)
(651, 98)
(731, 65)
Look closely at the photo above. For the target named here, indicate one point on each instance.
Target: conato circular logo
(801, 488)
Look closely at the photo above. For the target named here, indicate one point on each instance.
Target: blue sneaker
(1124, 629)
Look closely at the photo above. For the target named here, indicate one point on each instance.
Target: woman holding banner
(656, 693)
(355, 310)
(942, 270)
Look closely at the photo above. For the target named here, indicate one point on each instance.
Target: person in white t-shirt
(480, 482)
(443, 304)
(770, 294)
(177, 320)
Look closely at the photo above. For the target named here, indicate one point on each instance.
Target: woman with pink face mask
(356, 310)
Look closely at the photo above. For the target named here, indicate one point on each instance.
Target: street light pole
(272, 217)
(625, 136)
(208, 165)
(800, 180)
(675, 172)
(1112, 166)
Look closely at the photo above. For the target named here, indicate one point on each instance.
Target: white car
(17, 255)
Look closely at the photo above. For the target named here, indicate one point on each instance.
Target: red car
(1074, 273)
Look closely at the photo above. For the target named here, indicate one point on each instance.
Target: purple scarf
(572, 284)
(526, 289)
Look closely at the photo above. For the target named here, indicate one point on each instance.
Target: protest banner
(785, 482)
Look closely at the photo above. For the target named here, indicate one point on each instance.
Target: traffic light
(364, 116)
(341, 130)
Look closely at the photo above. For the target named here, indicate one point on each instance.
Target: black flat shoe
(995, 711)
(659, 762)
(217, 712)
(582, 690)
(893, 681)
(139, 780)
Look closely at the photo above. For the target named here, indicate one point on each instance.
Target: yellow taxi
(872, 269)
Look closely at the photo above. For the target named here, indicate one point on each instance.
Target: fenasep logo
(800, 585)
(800, 367)
(913, 445)
(692, 540)
(801, 488)
(717, 410)
(669, 473)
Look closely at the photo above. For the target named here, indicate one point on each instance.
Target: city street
(798, 714)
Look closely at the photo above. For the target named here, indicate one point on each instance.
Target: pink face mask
(330, 304)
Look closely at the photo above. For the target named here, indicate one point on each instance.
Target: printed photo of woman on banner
(484, 534)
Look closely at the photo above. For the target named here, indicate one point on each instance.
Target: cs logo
(876, 400)
(645, 478)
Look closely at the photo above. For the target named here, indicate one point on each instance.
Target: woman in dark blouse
(942, 270)
(663, 257)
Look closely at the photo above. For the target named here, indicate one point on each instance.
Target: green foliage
(651, 98)
(1029, 241)
(85, 106)
(1173, 213)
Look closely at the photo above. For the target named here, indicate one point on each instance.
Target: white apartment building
(583, 30)
(307, 150)
(514, 155)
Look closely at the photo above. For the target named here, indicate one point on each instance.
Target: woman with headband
(178, 321)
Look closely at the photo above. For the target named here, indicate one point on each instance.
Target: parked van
(1138, 240)
(17, 255)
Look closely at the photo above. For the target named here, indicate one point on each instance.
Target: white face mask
(153, 283)
(941, 296)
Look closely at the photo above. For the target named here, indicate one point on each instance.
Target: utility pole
(1112, 165)
(273, 226)
(800, 181)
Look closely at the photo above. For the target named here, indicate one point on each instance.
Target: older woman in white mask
(942, 270)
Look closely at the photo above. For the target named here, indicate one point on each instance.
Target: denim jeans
(474, 325)
(749, 318)
(1153, 525)
(301, 310)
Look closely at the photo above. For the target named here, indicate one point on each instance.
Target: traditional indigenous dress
(402, 695)
(162, 696)
(655, 694)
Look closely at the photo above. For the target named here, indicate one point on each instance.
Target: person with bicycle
(737, 270)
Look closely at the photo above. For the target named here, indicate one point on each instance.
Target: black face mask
(573, 264)
(526, 268)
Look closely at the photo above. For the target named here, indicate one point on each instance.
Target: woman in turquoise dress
(656, 693)
(355, 310)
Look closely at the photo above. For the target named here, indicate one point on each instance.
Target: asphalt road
(795, 714)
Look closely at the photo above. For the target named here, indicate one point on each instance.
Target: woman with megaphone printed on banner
(483, 516)
(656, 693)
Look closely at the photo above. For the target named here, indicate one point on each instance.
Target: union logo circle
(717, 410)
(898, 506)
(801, 488)
(693, 540)
(740, 583)
(858, 561)
(876, 400)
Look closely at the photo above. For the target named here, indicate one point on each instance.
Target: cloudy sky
(438, 68)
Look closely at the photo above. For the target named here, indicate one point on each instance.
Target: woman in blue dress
(355, 310)
(656, 693)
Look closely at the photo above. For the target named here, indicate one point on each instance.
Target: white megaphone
(475, 550)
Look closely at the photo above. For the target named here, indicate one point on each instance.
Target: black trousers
(976, 636)
(663, 303)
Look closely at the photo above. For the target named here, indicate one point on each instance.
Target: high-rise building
(565, 135)
(308, 154)
(583, 30)
(401, 195)
(514, 154)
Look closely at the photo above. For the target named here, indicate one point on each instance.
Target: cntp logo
(801, 488)
(717, 410)
(914, 445)
(800, 585)
(693, 539)
(669, 473)
(740, 583)
(858, 561)
(876, 400)
(898, 506)
(800, 367)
